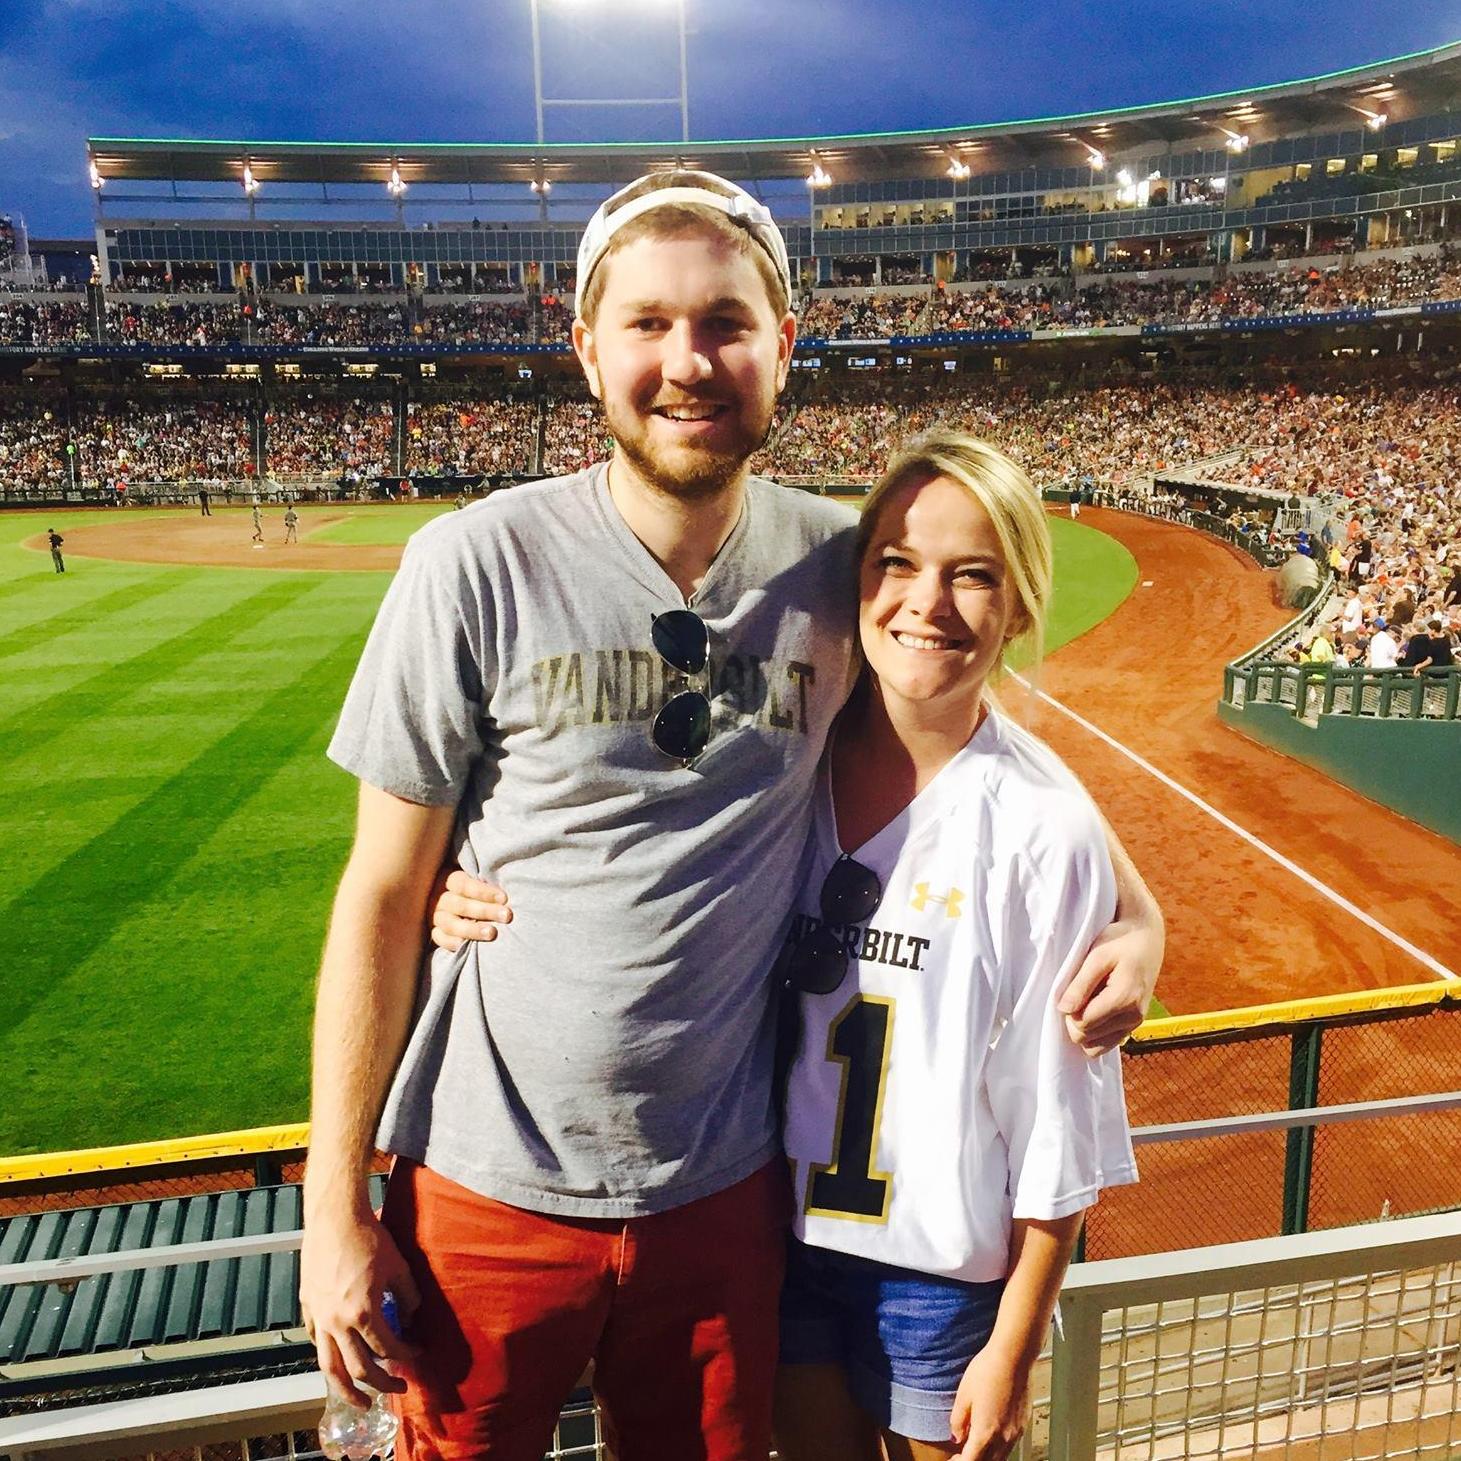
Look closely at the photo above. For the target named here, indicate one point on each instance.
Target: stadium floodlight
(541, 186)
(541, 102)
(1095, 157)
(396, 187)
(250, 182)
(1237, 141)
(96, 178)
(958, 170)
(1376, 121)
(819, 177)
(1124, 178)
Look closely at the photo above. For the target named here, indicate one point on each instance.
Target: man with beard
(607, 693)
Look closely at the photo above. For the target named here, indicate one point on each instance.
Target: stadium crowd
(124, 440)
(461, 438)
(862, 317)
(508, 323)
(157, 280)
(1387, 453)
(555, 320)
(347, 440)
(340, 325)
(573, 435)
(1048, 304)
(174, 324)
(1108, 433)
(33, 437)
(1382, 450)
(58, 322)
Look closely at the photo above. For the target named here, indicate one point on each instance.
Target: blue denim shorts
(903, 1339)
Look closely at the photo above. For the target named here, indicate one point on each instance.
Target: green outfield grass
(1093, 575)
(170, 830)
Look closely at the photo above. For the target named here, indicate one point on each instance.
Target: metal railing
(1312, 690)
(1345, 1344)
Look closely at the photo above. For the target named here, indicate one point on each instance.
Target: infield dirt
(223, 541)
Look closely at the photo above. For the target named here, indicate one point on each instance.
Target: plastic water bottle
(348, 1433)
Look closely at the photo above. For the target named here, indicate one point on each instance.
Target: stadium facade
(1352, 160)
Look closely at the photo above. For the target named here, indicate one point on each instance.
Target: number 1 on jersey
(859, 1039)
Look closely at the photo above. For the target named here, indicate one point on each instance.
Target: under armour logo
(953, 900)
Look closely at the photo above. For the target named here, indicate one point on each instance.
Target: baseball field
(170, 831)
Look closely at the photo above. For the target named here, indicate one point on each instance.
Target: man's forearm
(363, 1007)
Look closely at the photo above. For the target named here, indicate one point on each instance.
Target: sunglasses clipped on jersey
(817, 962)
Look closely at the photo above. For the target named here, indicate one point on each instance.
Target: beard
(688, 470)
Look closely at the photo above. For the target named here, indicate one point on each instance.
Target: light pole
(541, 102)
(818, 178)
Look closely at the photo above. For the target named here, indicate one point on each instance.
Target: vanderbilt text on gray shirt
(610, 1052)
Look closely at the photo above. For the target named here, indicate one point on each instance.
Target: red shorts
(677, 1311)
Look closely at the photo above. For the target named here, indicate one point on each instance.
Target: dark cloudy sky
(460, 70)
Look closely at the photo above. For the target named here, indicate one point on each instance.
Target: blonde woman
(944, 1133)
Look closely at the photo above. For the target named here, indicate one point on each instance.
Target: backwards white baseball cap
(689, 187)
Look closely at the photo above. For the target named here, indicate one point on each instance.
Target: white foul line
(1434, 966)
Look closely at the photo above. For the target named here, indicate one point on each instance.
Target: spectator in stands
(1383, 653)
(1429, 650)
(1320, 649)
(1353, 617)
(1452, 594)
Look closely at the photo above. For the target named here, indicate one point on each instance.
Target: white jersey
(936, 1095)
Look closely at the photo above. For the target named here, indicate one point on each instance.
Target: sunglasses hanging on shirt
(817, 962)
(681, 730)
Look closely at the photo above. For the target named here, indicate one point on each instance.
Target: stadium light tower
(541, 102)
(817, 179)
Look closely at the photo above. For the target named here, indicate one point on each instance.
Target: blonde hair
(1002, 489)
(681, 220)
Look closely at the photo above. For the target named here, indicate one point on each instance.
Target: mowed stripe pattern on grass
(169, 838)
(170, 832)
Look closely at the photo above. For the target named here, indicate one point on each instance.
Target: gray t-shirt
(609, 1054)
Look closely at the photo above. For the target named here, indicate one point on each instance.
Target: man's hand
(1109, 995)
(348, 1263)
(991, 1408)
(465, 909)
